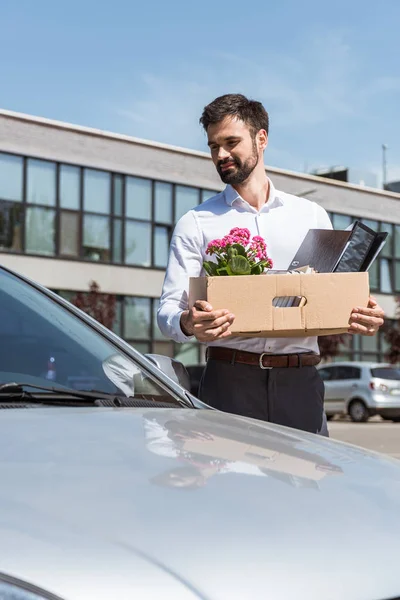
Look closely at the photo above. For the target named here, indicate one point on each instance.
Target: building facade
(80, 205)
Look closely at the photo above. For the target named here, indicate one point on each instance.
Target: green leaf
(239, 249)
(210, 268)
(240, 265)
(224, 271)
(231, 252)
(256, 270)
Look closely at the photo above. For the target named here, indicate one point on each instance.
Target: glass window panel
(11, 218)
(67, 295)
(118, 188)
(341, 221)
(96, 238)
(117, 325)
(369, 343)
(157, 335)
(397, 275)
(41, 182)
(11, 175)
(143, 347)
(69, 234)
(206, 194)
(96, 191)
(187, 353)
(383, 342)
(137, 318)
(386, 282)
(371, 224)
(161, 246)
(185, 199)
(137, 243)
(397, 241)
(40, 231)
(373, 275)
(163, 202)
(117, 242)
(387, 250)
(164, 348)
(70, 187)
(138, 198)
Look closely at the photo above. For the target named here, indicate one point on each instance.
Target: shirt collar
(274, 199)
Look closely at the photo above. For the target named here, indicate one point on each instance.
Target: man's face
(234, 150)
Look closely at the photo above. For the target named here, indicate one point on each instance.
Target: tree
(329, 345)
(101, 307)
(392, 337)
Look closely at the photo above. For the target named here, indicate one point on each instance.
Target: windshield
(42, 343)
(386, 373)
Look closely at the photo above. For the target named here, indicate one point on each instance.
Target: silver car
(116, 483)
(362, 390)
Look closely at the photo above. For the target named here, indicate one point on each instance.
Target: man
(290, 391)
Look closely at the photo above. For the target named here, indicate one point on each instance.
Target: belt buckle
(260, 361)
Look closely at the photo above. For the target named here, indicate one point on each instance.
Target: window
(397, 276)
(69, 233)
(11, 218)
(138, 243)
(341, 221)
(187, 353)
(163, 203)
(138, 198)
(397, 241)
(374, 275)
(70, 187)
(118, 191)
(390, 373)
(96, 191)
(96, 238)
(206, 194)
(387, 249)
(11, 172)
(41, 182)
(386, 280)
(327, 374)
(186, 198)
(157, 335)
(344, 372)
(137, 318)
(161, 246)
(40, 231)
(117, 241)
(36, 331)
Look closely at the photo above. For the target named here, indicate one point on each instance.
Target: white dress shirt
(283, 222)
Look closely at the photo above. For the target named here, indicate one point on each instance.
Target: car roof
(361, 364)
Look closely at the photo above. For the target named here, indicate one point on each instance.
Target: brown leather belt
(264, 360)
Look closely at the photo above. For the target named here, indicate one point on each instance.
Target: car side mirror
(174, 369)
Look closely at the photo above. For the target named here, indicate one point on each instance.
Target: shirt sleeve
(185, 261)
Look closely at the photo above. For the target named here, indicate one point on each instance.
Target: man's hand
(206, 324)
(366, 321)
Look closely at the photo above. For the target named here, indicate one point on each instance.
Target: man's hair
(250, 112)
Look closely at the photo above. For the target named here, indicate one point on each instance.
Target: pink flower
(241, 235)
(213, 246)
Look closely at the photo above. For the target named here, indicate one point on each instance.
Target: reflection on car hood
(193, 503)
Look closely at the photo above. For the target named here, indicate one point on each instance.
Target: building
(79, 204)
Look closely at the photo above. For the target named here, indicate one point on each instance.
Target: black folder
(339, 251)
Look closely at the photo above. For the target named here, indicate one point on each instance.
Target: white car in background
(362, 390)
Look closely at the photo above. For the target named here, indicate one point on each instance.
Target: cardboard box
(329, 300)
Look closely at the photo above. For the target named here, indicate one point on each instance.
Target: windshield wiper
(17, 390)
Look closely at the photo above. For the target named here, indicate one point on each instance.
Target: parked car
(362, 389)
(116, 482)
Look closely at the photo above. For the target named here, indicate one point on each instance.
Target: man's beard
(241, 171)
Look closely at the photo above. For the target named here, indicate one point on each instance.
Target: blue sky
(328, 73)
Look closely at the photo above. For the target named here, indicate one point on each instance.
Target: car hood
(217, 506)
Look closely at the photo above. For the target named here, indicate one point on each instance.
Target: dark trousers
(293, 397)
